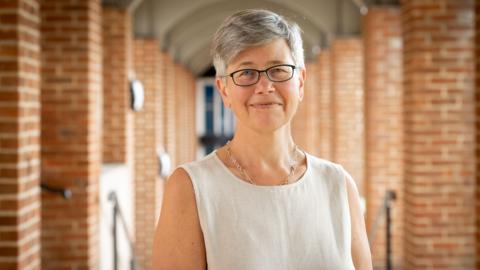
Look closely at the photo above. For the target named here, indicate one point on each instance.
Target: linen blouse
(303, 225)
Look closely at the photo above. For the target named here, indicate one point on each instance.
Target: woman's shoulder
(200, 166)
(208, 167)
(324, 164)
(202, 162)
(333, 174)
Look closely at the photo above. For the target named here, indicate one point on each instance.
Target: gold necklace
(247, 176)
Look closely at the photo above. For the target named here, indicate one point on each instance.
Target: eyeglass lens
(278, 73)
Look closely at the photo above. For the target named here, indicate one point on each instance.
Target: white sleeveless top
(304, 225)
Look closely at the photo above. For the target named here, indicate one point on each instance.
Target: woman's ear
(222, 89)
(301, 77)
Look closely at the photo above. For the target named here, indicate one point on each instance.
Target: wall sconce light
(164, 163)
(137, 95)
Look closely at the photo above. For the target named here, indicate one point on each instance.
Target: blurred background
(101, 100)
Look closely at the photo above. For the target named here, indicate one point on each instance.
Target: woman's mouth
(267, 105)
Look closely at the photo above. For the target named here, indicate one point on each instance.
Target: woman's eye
(247, 73)
(277, 70)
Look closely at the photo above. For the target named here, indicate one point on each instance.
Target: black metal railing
(118, 215)
(385, 210)
(64, 192)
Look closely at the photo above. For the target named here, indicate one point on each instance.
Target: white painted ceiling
(184, 28)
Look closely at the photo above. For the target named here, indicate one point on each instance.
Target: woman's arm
(362, 258)
(178, 242)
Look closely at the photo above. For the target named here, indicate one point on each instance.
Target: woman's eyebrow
(250, 63)
(275, 62)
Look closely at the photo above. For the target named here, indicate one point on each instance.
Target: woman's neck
(263, 151)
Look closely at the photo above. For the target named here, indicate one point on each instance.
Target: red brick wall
(19, 135)
(348, 102)
(170, 131)
(146, 64)
(477, 114)
(71, 135)
(299, 125)
(180, 114)
(384, 128)
(160, 102)
(117, 115)
(160, 126)
(311, 99)
(154, 128)
(324, 111)
(439, 134)
(185, 115)
(192, 139)
(178, 102)
(304, 130)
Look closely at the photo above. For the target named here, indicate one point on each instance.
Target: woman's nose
(264, 85)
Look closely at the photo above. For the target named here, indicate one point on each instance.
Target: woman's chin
(267, 125)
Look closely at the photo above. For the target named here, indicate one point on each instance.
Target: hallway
(101, 100)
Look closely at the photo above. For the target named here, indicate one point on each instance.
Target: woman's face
(265, 106)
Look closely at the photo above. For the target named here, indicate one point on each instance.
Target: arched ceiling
(184, 28)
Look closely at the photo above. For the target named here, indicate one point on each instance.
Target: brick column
(191, 117)
(71, 131)
(311, 101)
(160, 125)
(160, 102)
(303, 126)
(348, 103)
(184, 115)
(19, 135)
(384, 128)
(146, 63)
(180, 113)
(314, 102)
(439, 134)
(324, 117)
(170, 130)
(477, 122)
(118, 118)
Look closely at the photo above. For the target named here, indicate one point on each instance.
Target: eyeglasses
(250, 76)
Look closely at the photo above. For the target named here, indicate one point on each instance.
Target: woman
(260, 202)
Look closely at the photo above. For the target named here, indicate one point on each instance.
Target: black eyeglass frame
(259, 73)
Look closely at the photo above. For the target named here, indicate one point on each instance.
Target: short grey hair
(253, 27)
